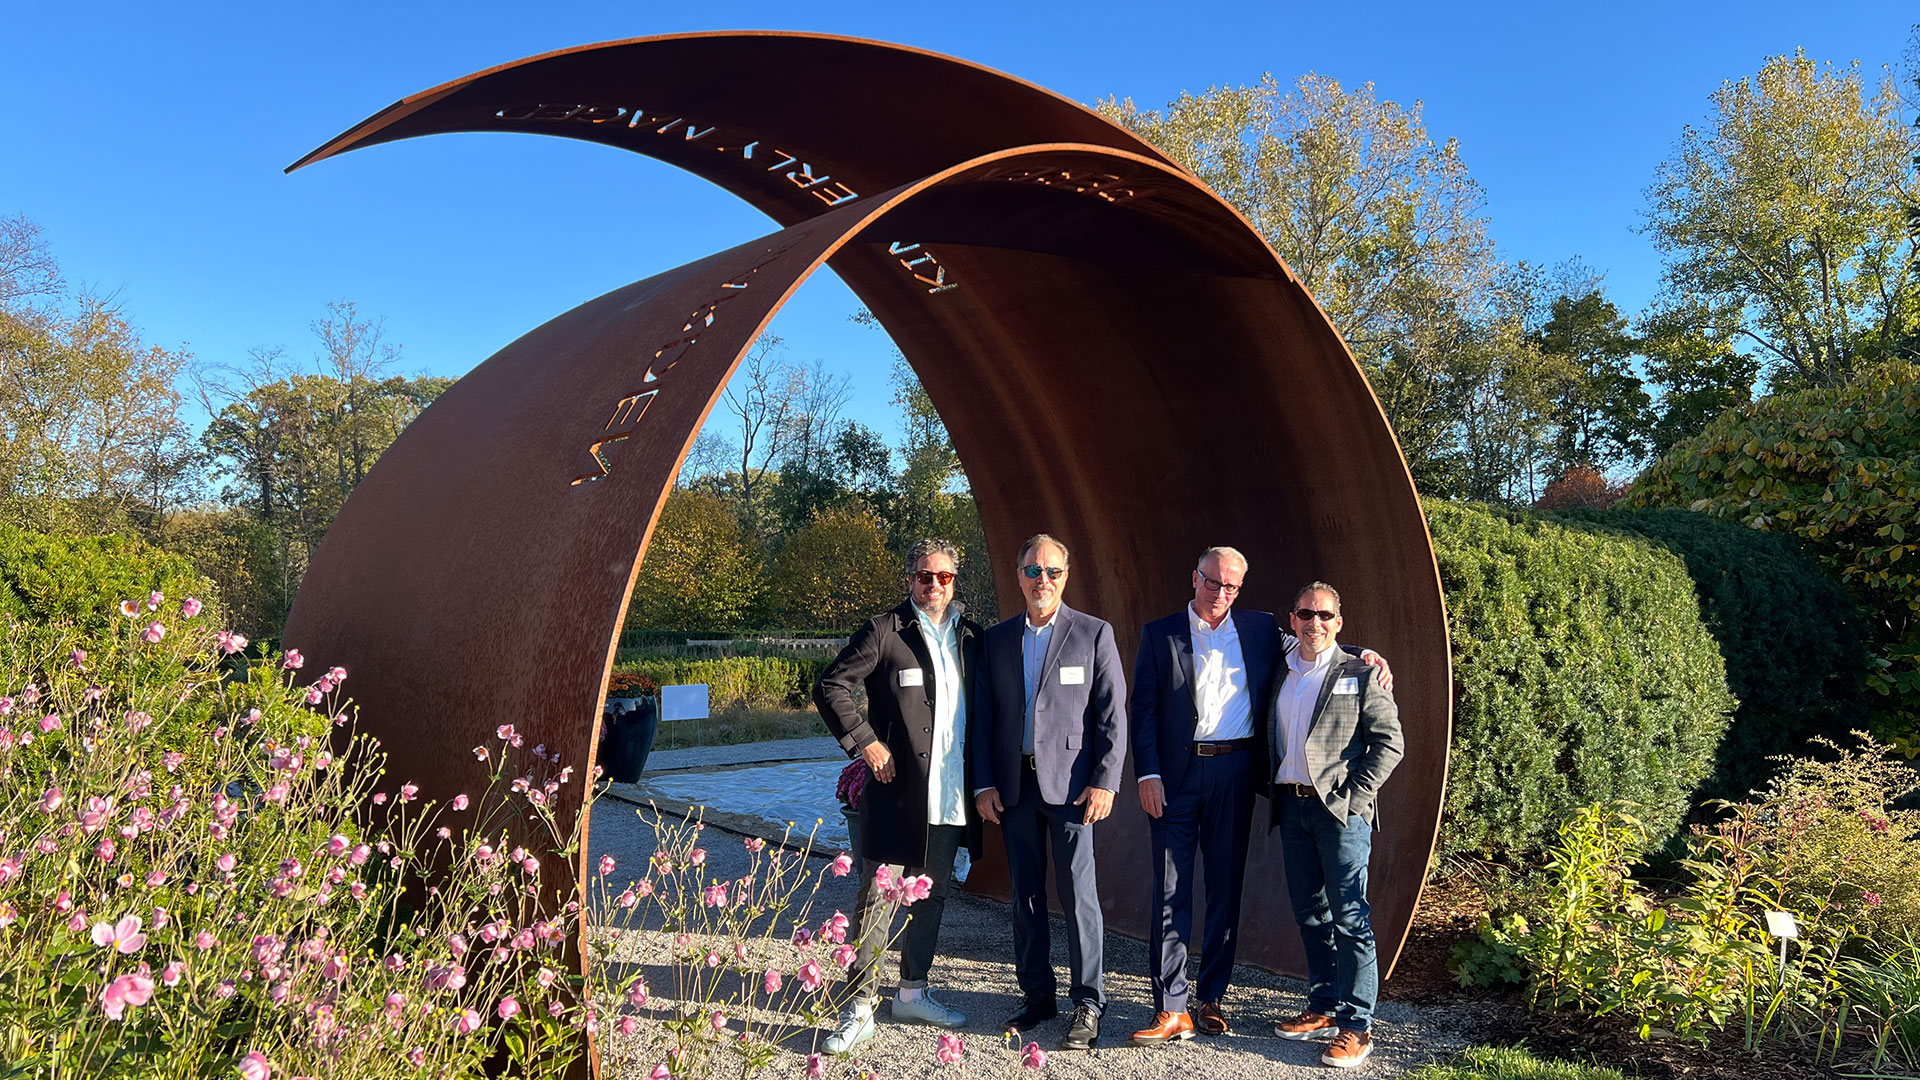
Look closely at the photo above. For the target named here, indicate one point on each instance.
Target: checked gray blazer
(1353, 742)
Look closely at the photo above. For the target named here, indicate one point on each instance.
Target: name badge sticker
(1073, 676)
(1347, 686)
(912, 676)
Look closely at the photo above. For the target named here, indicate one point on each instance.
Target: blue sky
(148, 141)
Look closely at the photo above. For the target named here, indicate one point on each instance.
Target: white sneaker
(856, 1027)
(925, 1010)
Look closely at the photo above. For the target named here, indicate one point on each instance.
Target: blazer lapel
(1062, 626)
(1336, 669)
(1183, 659)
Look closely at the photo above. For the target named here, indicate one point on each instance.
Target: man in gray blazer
(1048, 749)
(1335, 738)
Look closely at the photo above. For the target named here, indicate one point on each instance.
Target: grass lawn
(728, 727)
(1510, 1063)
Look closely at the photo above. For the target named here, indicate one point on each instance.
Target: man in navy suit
(1201, 684)
(1048, 750)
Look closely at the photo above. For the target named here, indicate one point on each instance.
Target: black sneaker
(1033, 1013)
(1085, 1029)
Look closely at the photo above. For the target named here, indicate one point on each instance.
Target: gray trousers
(873, 930)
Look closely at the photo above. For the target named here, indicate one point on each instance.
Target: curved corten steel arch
(1119, 358)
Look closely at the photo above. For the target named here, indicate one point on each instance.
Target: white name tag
(912, 676)
(1347, 686)
(1072, 676)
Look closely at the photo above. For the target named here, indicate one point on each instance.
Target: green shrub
(1839, 468)
(81, 580)
(1582, 672)
(1794, 642)
(754, 682)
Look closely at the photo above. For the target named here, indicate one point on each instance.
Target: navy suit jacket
(1080, 719)
(1162, 711)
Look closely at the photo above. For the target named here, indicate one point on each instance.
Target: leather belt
(1215, 749)
(1303, 791)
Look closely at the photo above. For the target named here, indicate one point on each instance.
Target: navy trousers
(1029, 827)
(1212, 815)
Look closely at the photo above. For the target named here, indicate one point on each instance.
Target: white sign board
(1781, 925)
(683, 702)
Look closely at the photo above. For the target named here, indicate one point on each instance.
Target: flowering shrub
(206, 875)
(1823, 843)
(630, 684)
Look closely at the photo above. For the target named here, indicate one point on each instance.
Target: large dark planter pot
(629, 739)
(853, 833)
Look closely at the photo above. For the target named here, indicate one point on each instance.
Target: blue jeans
(1326, 862)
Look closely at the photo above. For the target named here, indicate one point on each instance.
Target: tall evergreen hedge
(1583, 671)
(1795, 644)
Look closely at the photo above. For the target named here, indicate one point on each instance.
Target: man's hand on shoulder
(1098, 801)
(1385, 676)
(1153, 796)
(879, 761)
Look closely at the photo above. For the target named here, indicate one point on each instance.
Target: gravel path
(975, 975)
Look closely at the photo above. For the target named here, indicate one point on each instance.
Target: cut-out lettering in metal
(921, 265)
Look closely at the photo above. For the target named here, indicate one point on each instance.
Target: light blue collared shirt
(1033, 660)
(947, 772)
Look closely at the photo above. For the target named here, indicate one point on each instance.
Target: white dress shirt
(1219, 683)
(1293, 714)
(947, 767)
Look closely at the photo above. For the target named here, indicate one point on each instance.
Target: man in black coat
(914, 662)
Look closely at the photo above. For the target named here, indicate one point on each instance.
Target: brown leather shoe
(1167, 1027)
(1307, 1025)
(1349, 1049)
(1209, 1018)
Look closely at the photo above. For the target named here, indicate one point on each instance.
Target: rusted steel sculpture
(1119, 358)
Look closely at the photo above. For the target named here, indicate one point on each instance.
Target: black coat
(893, 816)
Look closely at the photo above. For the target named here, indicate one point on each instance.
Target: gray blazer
(1080, 714)
(1353, 741)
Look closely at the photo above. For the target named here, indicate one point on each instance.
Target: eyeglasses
(1033, 572)
(1307, 614)
(1220, 587)
(928, 577)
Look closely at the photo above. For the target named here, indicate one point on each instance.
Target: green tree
(836, 571)
(1790, 209)
(1598, 411)
(701, 571)
(1690, 357)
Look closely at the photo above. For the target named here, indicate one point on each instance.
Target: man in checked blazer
(1048, 749)
(1335, 738)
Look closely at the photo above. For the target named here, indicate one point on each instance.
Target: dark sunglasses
(1307, 614)
(1033, 572)
(1220, 587)
(928, 577)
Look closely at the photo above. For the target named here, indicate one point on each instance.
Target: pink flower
(509, 1008)
(637, 993)
(627, 899)
(1872, 898)
(170, 975)
(811, 977)
(458, 944)
(416, 1057)
(154, 600)
(294, 661)
(699, 857)
(49, 723)
(716, 895)
(1032, 1056)
(756, 844)
(153, 633)
(606, 865)
(230, 642)
(842, 865)
(408, 791)
(105, 850)
(468, 1023)
(255, 1066)
(205, 940)
(314, 695)
(155, 879)
(337, 675)
(379, 798)
(480, 753)
(130, 608)
(504, 731)
(77, 657)
(335, 968)
(772, 981)
(816, 1067)
(627, 1025)
(949, 1049)
(459, 802)
(189, 608)
(131, 989)
(50, 800)
(844, 955)
(713, 959)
